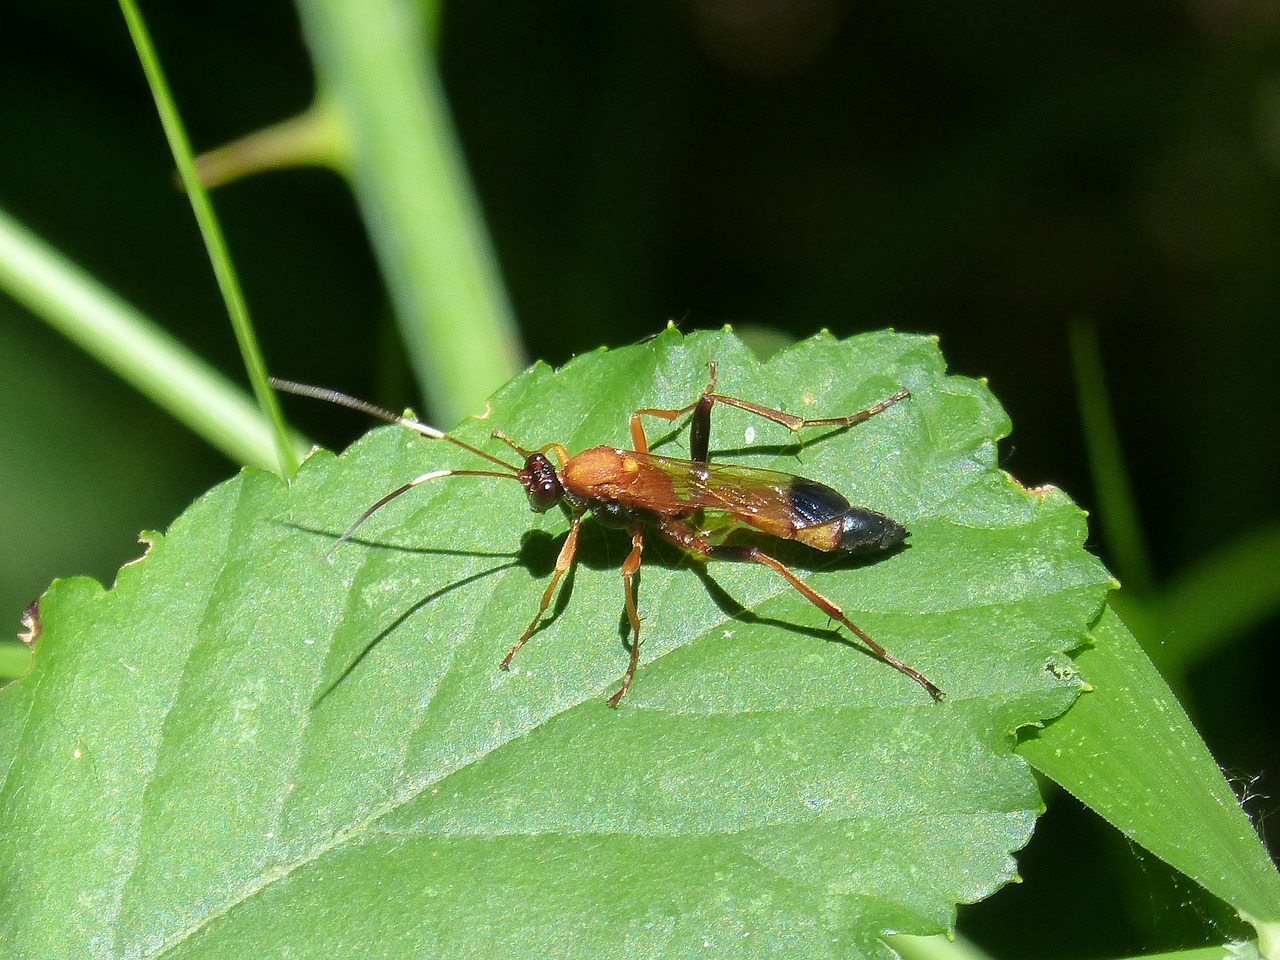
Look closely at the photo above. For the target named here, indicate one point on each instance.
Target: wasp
(641, 492)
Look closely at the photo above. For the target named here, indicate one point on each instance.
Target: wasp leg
(790, 421)
(699, 426)
(700, 422)
(682, 535)
(563, 562)
(631, 567)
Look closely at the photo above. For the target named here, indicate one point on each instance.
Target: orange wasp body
(637, 491)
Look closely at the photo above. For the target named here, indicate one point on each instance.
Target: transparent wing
(764, 498)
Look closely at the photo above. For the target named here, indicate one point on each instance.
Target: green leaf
(1129, 752)
(243, 749)
(1230, 951)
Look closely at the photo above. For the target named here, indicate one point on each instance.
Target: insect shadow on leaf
(354, 663)
(796, 557)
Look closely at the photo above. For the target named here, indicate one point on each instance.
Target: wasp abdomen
(816, 503)
(865, 531)
(830, 522)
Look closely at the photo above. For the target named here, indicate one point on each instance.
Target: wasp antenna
(416, 481)
(363, 406)
(354, 403)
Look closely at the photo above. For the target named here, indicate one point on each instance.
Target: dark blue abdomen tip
(865, 531)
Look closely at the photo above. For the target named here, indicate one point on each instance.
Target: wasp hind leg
(683, 536)
(699, 425)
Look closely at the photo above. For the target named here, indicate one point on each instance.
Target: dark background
(985, 171)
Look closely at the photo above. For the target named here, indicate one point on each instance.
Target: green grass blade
(1227, 592)
(211, 231)
(1117, 508)
(133, 346)
(1129, 752)
(374, 60)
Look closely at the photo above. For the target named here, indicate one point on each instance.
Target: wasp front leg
(563, 563)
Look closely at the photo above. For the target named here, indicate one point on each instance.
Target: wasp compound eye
(541, 483)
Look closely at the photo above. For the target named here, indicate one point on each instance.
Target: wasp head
(541, 483)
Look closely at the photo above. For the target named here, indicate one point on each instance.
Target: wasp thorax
(541, 482)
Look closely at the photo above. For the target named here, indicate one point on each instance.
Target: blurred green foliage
(985, 172)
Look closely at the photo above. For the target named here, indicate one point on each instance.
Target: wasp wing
(776, 502)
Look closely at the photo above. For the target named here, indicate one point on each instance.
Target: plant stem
(374, 60)
(133, 347)
(210, 230)
(314, 137)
